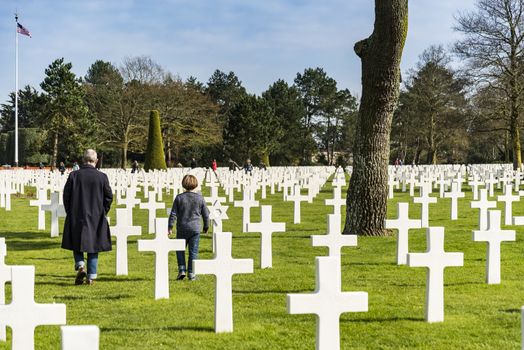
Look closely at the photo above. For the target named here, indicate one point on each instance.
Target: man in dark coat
(87, 200)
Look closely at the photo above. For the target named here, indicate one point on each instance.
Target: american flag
(22, 30)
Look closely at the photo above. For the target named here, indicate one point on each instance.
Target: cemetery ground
(477, 315)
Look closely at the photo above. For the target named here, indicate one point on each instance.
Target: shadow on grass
(121, 279)
(271, 291)
(158, 329)
(100, 297)
(355, 263)
(49, 259)
(385, 319)
(22, 241)
(462, 284)
(511, 311)
(56, 283)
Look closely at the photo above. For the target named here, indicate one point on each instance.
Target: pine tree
(155, 158)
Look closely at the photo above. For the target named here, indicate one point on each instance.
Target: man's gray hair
(90, 156)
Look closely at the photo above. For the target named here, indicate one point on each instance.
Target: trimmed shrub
(3, 148)
(155, 158)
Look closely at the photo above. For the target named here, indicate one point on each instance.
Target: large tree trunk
(380, 55)
(515, 141)
(506, 147)
(123, 158)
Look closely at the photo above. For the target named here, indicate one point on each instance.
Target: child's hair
(189, 182)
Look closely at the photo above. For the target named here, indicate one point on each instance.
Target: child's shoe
(181, 276)
(192, 276)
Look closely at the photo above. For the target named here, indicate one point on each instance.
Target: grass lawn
(477, 315)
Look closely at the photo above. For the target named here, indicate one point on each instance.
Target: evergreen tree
(253, 129)
(319, 95)
(155, 159)
(65, 117)
(31, 106)
(288, 108)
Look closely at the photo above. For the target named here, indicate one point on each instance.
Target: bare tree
(493, 45)
(142, 69)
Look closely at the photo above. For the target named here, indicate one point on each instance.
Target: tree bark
(123, 158)
(55, 151)
(380, 55)
(506, 147)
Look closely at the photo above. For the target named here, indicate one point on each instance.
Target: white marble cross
(80, 337)
(490, 182)
(130, 200)
(454, 194)
(425, 199)
(42, 200)
(296, 198)
(246, 204)
(57, 211)
(161, 246)
(508, 198)
(337, 201)
(403, 224)
(475, 183)
(392, 183)
(483, 205)
(5, 276)
(334, 239)
(435, 259)
(152, 206)
(443, 183)
(23, 314)
(328, 302)
(494, 236)
(122, 231)
(223, 266)
(266, 227)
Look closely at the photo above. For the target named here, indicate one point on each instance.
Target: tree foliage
(65, 117)
(155, 158)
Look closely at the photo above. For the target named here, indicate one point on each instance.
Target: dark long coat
(87, 200)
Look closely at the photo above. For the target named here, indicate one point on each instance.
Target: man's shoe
(90, 282)
(192, 276)
(80, 275)
(181, 276)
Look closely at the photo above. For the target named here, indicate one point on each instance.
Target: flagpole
(16, 92)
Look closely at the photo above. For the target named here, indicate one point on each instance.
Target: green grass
(477, 316)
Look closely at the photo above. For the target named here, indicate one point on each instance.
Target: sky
(260, 40)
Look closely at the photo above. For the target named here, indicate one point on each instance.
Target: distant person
(189, 208)
(61, 168)
(87, 200)
(193, 163)
(41, 166)
(262, 166)
(214, 167)
(233, 165)
(400, 162)
(135, 167)
(397, 162)
(248, 167)
(75, 166)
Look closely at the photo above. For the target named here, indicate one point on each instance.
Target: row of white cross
(23, 314)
